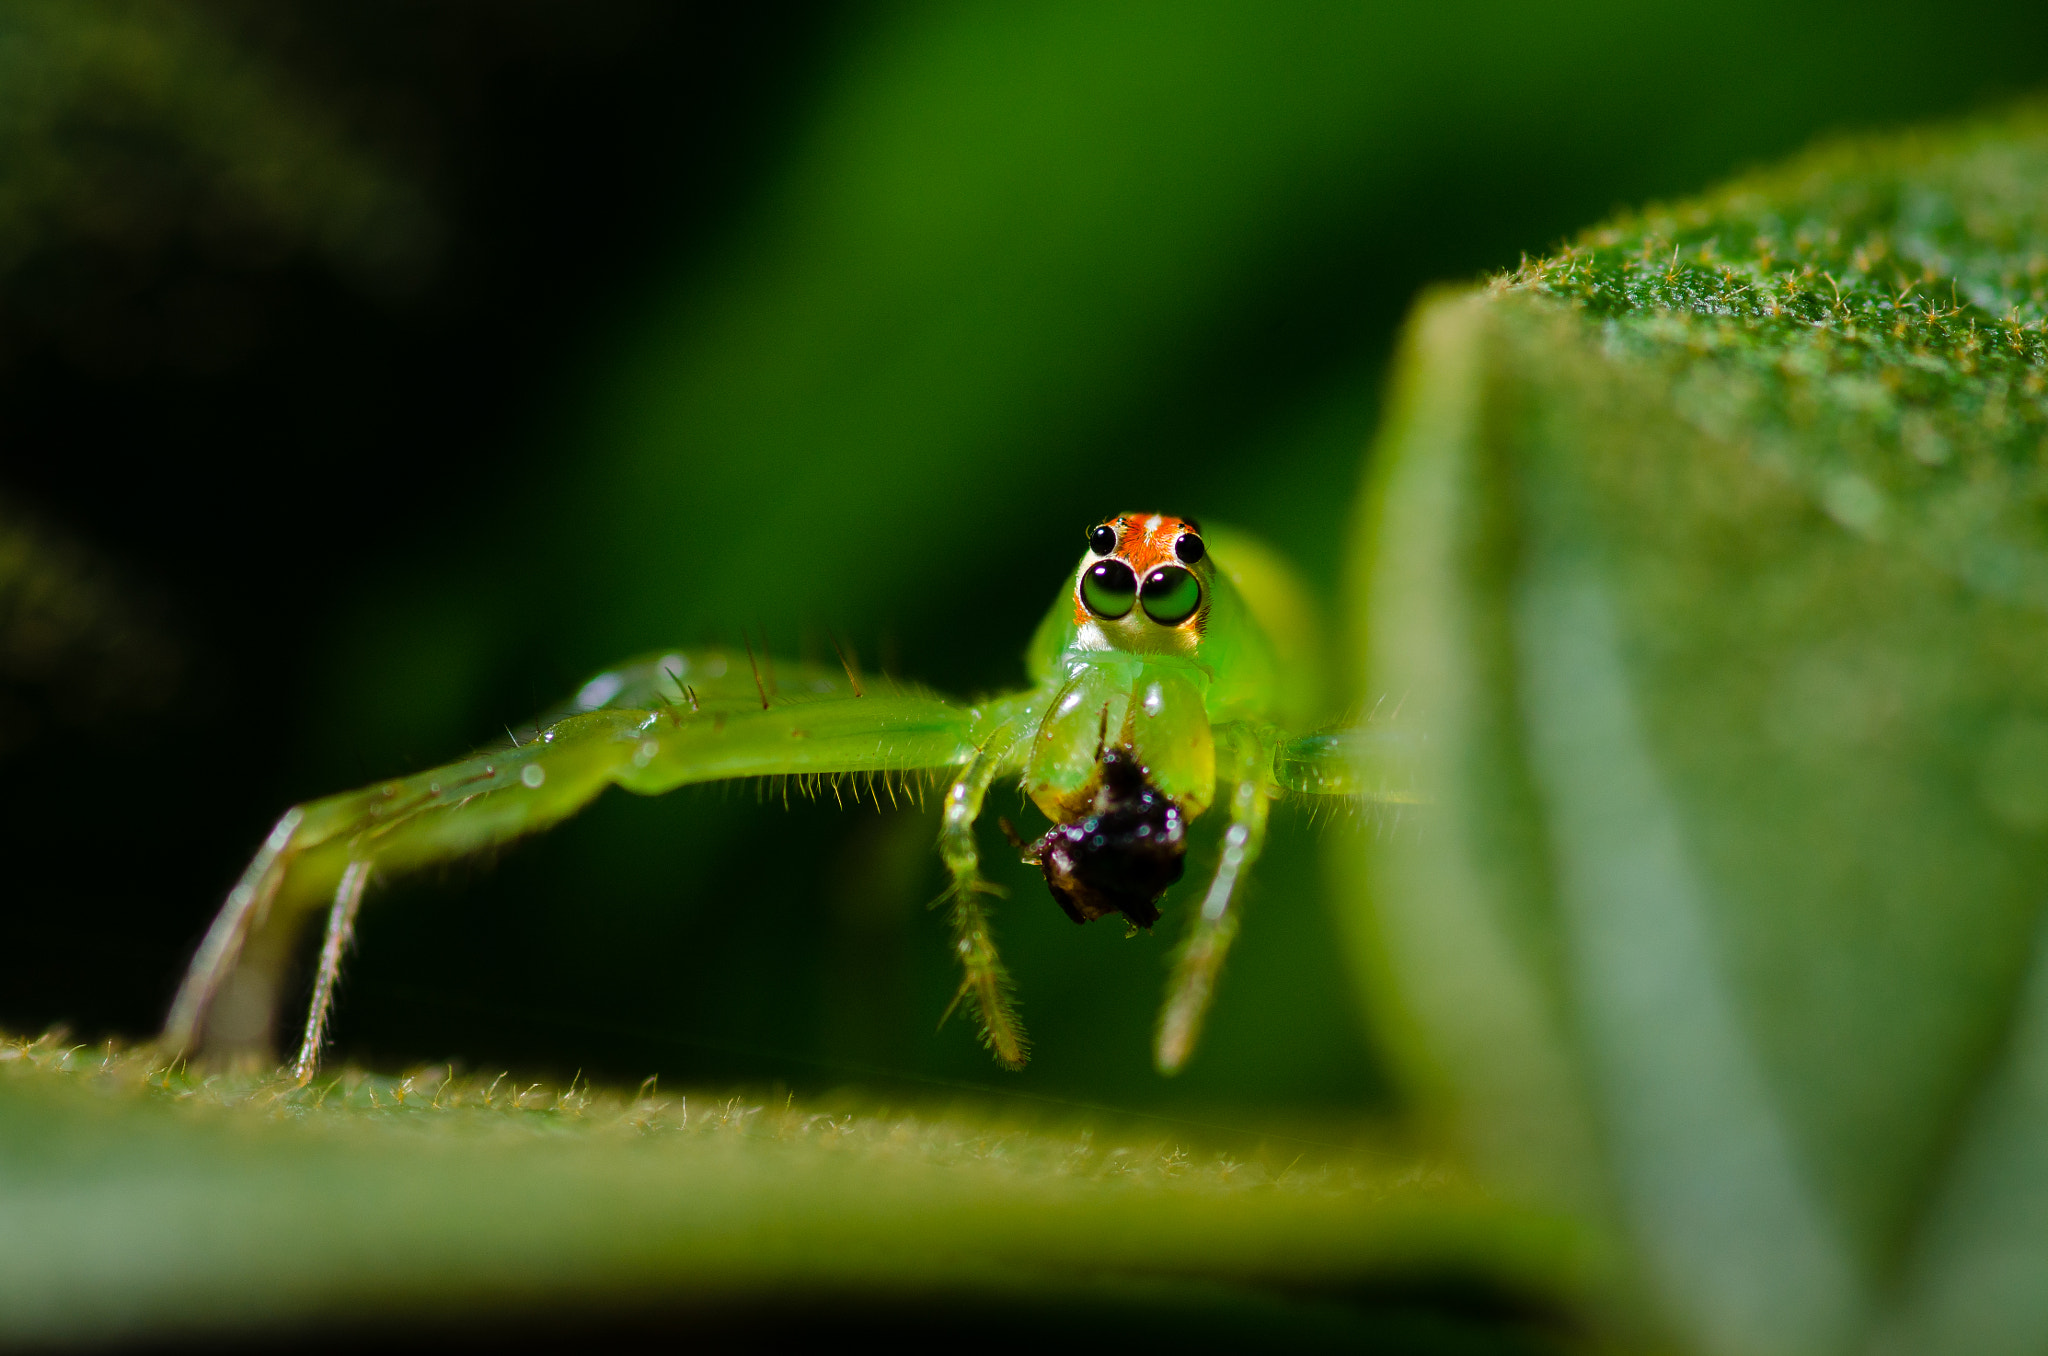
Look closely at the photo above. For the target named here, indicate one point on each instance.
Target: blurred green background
(369, 373)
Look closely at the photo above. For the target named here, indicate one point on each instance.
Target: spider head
(1143, 584)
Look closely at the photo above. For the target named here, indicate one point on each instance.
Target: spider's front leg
(717, 726)
(983, 978)
(1360, 766)
(324, 852)
(1245, 770)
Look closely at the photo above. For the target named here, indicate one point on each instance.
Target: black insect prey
(1122, 854)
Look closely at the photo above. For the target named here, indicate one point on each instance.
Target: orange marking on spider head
(1144, 541)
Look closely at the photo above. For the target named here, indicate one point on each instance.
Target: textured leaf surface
(140, 1200)
(1710, 551)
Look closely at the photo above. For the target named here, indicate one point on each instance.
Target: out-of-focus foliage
(1710, 552)
(133, 128)
(143, 1201)
(1009, 236)
(128, 132)
(75, 648)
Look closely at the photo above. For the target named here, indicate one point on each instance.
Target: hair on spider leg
(881, 782)
(768, 661)
(684, 692)
(812, 786)
(1384, 817)
(847, 661)
(755, 664)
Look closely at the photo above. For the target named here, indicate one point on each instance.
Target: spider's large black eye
(1189, 548)
(1109, 588)
(1171, 595)
(1102, 540)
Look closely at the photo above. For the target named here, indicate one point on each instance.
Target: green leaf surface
(1710, 551)
(137, 1199)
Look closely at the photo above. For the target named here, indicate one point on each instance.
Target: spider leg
(341, 926)
(1371, 764)
(1249, 759)
(246, 909)
(325, 850)
(983, 977)
(1367, 765)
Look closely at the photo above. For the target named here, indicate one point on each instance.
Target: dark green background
(845, 316)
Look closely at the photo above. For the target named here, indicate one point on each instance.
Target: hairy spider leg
(1365, 764)
(247, 906)
(229, 993)
(983, 977)
(1248, 774)
(1361, 767)
(815, 730)
(341, 927)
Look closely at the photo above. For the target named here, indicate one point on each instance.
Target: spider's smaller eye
(1189, 548)
(1102, 540)
(1171, 595)
(1108, 589)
